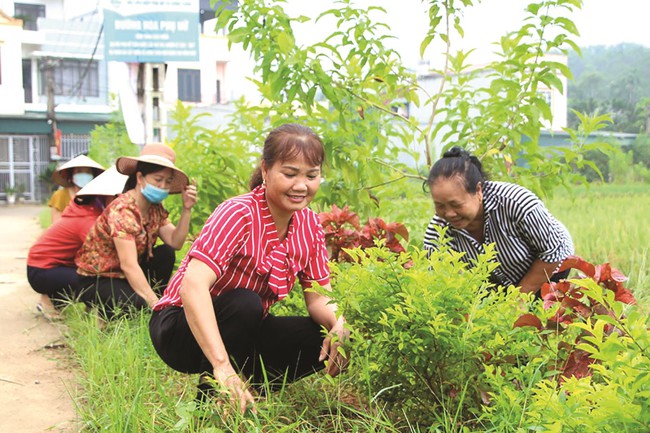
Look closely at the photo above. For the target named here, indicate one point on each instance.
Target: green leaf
(285, 42)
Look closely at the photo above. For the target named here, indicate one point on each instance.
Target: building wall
(11, 80)
(69, 33)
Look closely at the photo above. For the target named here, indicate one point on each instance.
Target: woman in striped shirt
(530, 242)
(214, 319)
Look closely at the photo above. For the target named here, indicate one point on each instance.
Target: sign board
(154, 31)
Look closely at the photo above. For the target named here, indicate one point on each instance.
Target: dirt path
(37, 388)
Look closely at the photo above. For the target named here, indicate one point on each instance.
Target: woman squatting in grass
(51, 270)
(214, 319)
(119, 264)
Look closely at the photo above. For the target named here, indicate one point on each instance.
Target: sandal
(50, 316)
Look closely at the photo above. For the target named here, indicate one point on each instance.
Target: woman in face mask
(50, 263)
(119, 264)
(72, 176)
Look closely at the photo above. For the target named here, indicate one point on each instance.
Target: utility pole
(55, 143)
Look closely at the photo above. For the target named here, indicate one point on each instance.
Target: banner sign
(154, 31)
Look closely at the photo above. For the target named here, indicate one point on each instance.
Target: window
(189, 85)
(29, 13)
(401, 108)
(71, 77)
(547, 95)
(27, 79)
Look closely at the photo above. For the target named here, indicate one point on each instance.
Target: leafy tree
(347, 88)
(110, 141)
(611, 80)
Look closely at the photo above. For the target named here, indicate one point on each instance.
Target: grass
(127, 388)
(609, 225)
(45, 218)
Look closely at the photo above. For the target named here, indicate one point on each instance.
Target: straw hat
(61, 175)
(159, 154)
(110, 182)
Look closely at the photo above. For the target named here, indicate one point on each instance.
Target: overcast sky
(600, 22)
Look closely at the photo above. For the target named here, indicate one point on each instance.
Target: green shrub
(219, 161)
(423, 329)
(442, 349)
(110, 141)
(616, 398)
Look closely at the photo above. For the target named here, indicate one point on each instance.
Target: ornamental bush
(442, 349)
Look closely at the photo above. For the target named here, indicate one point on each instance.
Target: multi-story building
(54, 77)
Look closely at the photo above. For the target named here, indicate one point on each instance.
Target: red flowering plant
(575, 300)
(343, 230)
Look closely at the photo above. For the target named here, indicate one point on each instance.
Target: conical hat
(110, 182)
(159, 154)
(61, 175)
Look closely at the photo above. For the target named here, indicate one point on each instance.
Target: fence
(25, 161)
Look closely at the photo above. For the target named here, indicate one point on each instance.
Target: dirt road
(37, 387)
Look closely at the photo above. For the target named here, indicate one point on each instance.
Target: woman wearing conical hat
(50, 263)
(71, 176)
(119, 264)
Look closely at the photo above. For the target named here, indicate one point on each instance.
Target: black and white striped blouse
(519, 224)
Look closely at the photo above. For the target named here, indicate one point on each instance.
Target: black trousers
(116, 293)
(60, 283)
(283, 348)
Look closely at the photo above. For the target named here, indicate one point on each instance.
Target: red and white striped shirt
(239, 242)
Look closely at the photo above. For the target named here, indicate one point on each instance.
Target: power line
(77, 87)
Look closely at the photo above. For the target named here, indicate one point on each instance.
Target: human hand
(190, 195)
(332, 350)
(237, 390)
(152, 300)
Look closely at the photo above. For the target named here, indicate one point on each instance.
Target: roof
(36, 123)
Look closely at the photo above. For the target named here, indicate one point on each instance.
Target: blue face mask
(153, 194)
(82, 179)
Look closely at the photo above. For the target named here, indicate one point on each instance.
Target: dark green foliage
(640, 150)
(46, 177)
(624, 164)
(611, 79)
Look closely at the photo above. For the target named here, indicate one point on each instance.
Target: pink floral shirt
(121, 220)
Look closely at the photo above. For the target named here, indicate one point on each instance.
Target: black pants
(286, 347)
(60, 283)
(116, 293)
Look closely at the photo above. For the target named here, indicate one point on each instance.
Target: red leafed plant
(575, 305)
(343, 230)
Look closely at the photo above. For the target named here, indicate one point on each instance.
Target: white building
(53, 72)
(429, 83)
